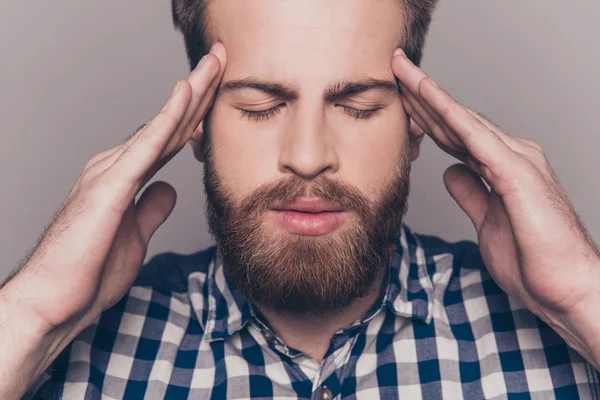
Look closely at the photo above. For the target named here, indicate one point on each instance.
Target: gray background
(78, 77)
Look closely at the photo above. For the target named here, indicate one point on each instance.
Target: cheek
(244, 153)
(371, 155)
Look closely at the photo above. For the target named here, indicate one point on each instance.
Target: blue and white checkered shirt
(441, 329)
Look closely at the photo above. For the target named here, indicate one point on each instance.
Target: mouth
(309, 216)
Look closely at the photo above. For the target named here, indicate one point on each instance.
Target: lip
(309, 216)
(309, 205)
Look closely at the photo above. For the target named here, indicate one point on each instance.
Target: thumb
(154, 207)
(469, 191)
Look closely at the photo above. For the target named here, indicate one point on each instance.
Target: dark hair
(191, 17)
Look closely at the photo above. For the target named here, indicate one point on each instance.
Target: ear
(415, 137)
(197, 143)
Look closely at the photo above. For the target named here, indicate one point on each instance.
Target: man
(316, 289)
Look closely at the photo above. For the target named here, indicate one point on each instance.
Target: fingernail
(432, 82)
(201, 62)
(176, 88)
(399, 51)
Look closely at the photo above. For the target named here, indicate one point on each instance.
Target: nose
(308, 148)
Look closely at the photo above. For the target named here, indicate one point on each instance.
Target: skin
(94, 247)
(531, 239)
(311, 136)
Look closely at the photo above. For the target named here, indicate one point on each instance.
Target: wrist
(27, 343)
(579, 326)
(15, 309)
(20, 343)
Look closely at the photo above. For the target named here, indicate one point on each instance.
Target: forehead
(298, 39)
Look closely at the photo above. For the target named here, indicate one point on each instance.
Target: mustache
(289, 189)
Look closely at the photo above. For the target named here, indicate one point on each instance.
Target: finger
(416, 130)
(523, 146)
(195, 134)
(196, 137)
(154, 207)
(174, 104)
(469, 191)
(101, 161)
(415, 118)
(426, 109)
(508, 139)
(219, 51)
(200, 81)
(199, 102)
(430, 124)
(196, 79)
(433, 126)
(439, 140)
(207, 97)
(482, 143)
(486, 146)
(409, 74)
(144, 151)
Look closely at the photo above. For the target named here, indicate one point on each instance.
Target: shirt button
(325, 393)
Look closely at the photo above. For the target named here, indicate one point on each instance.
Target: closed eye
(271, 112)
(262, 114)
(360, 114)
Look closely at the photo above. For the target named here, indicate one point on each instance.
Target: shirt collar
(223, 311)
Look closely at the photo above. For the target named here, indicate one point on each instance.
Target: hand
(93, 249)
(531, 240)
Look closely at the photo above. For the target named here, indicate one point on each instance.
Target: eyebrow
(335, 92)
(273, 88)
(344, 89)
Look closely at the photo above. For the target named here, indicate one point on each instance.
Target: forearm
(26, 345)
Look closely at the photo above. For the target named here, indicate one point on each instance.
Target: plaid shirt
(441, 329)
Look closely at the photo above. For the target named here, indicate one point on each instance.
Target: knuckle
(90, 191)
(139, 128)
(137, 131)
(87, 174)
(480, 114)
(537, 155)
(90, 162)
(96, 194)
(520, 177)
(168, 115)
(102, 193)
(94, 159)
(447, 109)
(534, 144)
(540, 155)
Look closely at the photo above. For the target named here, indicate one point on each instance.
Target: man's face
(309, 150)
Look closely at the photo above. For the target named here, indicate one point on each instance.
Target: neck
(312, 333)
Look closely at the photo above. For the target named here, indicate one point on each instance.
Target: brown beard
(297, 274)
